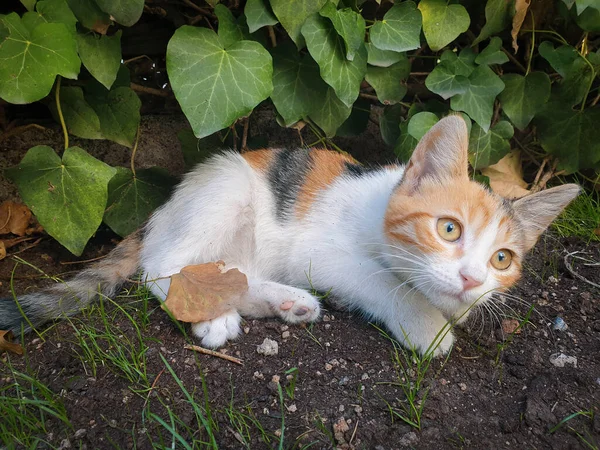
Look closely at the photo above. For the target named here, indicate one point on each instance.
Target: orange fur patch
(326, 166)
(259, 159)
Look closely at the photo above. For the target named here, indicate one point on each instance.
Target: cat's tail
(66, 298)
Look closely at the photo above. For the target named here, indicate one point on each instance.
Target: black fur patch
(286, 176)
(357, 170)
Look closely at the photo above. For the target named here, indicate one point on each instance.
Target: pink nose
(469, 282)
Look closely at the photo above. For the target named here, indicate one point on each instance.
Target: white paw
(215, 333)
(298, 306)
(443, 346)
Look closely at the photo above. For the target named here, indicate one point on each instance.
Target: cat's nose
(469, 282)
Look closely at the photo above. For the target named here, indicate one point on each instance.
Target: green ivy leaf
(387, 81)
(119, 114)
(23, 76)
(101, 55)
(90, 15)
(125, 12)
(216, 86)
(358, 120)
(389, 124)
(492, 53)
(229, 31)
(327, 49)
(488, 148)
(450, 76)
(497, 18)
(420, 123)
(131, 199)
(406, 144)
(330, 113)
(572, 136)
(399, 30)
(258, 14)
(589, 20)
(582, 5)
(29, 4)
(524, 96)
(56, 11)
(80, 118)
(66, 195)
(561, 58)
(197, 150)
(297, 85)
(292, 15)
(383, 58)
(478, 100)
(442, 23)
(349, 25)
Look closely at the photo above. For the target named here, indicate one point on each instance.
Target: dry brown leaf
(6, 345)
(521, 7)
(205, 292)
(506, 176)
(14, 218)
(2, 250)
(510, 326)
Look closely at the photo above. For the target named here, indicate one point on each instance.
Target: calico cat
(412, 247)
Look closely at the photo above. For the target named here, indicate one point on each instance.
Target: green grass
(585, 438)
(581, 218)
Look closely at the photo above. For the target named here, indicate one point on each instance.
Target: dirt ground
(495, 391)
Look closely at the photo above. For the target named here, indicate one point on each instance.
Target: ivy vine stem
(589, 84)
(532, 44)
(134, 151)
(554, 33)
(60, 114)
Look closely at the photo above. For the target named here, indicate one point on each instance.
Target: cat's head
(459, 240)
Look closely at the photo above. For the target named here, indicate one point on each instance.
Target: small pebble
(326, 318)
(275, 379)
(258, 375)
(560, 360)
(462, 386)
(80, 433)
(269, 347)
(344, 381)
(292, 408)
(328, 367)
(285, 334)
(284, 328)
(559, 324)
(246, 330)
(341, 408)
(365, 376)
(358, 409)
(552, 279)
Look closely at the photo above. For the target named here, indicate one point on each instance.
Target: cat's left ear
(440, 155)
(536, 212)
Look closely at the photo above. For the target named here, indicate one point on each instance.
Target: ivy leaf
(131, 199)
(229, 32)
(389, 124)
(297, 85)
(405, 144)
(349, 25)
(399, 30)
(66, 195)
(590, 21)
(497, 18)
(90, 15)
(80, 118)
(293, 15)
(492, 53)
(101, 55)
(524, 96)
(382, 58)
(572, 136)
(125, 12)
(561, 58)
(478, 100)
(216, 86)
(197, 150)
(420, 123)
(325, 46)
(330, 113)
(387, 81)
(358, 120)
(23, 76)
(450, 76)
(29, 4)
(119, 114)
(56, 11)
(488, 148)
(258, 14)
(442, 23)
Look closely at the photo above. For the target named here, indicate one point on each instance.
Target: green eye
(502, 259)
(449, 229)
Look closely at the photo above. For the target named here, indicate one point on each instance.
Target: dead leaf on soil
(506, 176)
(521, 7)
(510, 326)
(14, 218)
(204, 292)
(6, 345)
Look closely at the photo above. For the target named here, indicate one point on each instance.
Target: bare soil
(495, 391)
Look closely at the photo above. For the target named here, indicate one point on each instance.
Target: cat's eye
(449, 229)
(502, 259)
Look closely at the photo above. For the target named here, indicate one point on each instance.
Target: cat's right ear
(441, 154)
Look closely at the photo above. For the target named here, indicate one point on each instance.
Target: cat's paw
(215, 333)
(298, 306)
(443, 347)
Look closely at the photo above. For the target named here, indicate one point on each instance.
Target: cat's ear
(441, 154)
(537, 211)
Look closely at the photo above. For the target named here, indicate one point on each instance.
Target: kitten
(411, 246)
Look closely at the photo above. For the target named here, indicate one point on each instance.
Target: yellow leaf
(204, 292)
(506, 176)
(6, 345)
(14, 218)
(521, 7)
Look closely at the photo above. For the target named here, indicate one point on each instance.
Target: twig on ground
(152, 388)
(206, 351)
(575, 274)
(148, 90)
(370, 97)
(272, 36)
(25, 248)
(244, 147)
(66, 263)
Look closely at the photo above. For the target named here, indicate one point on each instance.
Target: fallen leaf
(14, 218)
(506, 176)
(510, 326)
(521, 7)
(204, 292)
(2, 250)
(6, 345)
